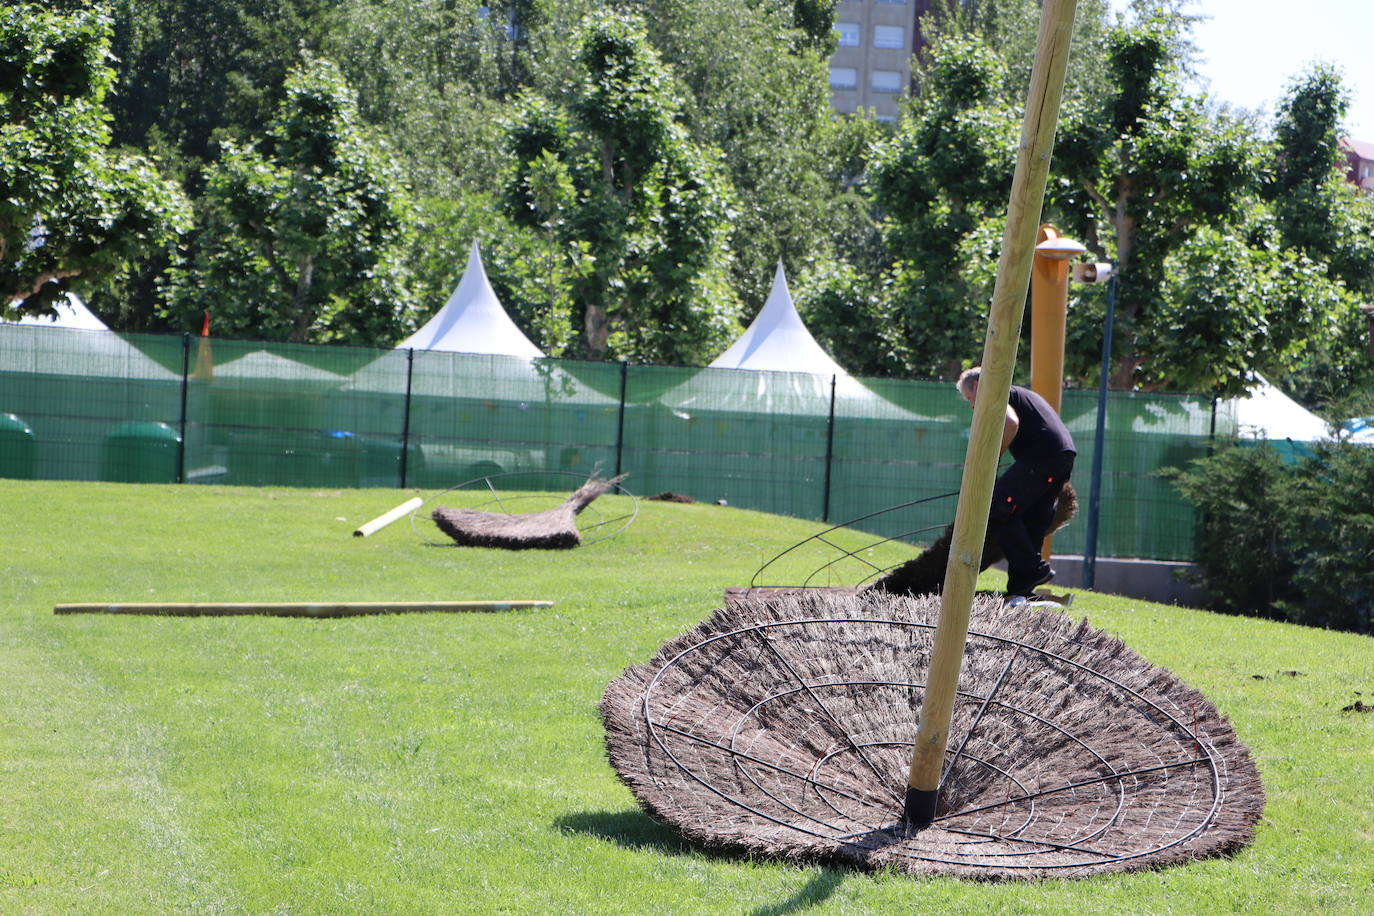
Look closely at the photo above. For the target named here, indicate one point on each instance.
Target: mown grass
(437, 763)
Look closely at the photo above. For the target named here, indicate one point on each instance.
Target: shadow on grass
(817, 890)
(634, 829)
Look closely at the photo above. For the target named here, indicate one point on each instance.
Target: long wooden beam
(297, 609)
(989, 412)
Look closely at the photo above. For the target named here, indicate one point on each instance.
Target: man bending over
(1023, 498)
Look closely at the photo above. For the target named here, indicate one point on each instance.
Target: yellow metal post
(989, 409)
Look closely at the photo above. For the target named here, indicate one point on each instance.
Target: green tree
(757, 91)
(1010, 28)
(72, 210)
(301, 236)
(1229, 307)
(941, 185)
(438, 76)
(191, 70)
(1320, 216)
(1243, 499)
(1137, 175)
(651, 206)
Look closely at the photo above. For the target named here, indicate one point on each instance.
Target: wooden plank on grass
(299, 609)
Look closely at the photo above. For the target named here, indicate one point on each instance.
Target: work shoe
(1043, 573)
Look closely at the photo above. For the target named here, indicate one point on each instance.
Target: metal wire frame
(505, 503)
(852, 554)
(890, 832)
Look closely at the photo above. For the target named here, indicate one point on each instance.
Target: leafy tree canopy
(301, 235)
(72, 210)
(651, 206)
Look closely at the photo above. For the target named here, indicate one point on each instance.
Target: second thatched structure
(551, 529)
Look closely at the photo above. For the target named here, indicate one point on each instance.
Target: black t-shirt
(1041, 434)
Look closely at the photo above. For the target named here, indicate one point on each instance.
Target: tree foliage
(651, 206)
(941, 183)
(632, 186)
(72, 210)
(301, 234)
(1140, 173)
(757, 92)
(1291, 541)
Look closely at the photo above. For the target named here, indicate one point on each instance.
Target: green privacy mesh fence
(92, 405)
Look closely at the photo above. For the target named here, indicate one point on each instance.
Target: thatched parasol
(783, 726)
(552, 529)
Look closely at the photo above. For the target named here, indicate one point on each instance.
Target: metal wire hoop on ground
(521, 492)
(843, 553)
(784, 727)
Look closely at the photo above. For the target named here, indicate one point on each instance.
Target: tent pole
(999, 360)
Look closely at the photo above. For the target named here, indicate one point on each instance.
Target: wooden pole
(297, 609)
(989, 410)
(1049, 315)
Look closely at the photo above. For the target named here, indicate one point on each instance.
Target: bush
(1332, 540)
(1292, 541)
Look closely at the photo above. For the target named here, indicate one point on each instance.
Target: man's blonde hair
(968, 378)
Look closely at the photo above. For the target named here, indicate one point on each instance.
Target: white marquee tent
(1268, 413)
(777, 341)
(71, 313)
(473, 321)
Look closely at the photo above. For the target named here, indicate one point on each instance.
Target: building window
(844, 78)
(849, 34)
(1364, 170)
(885, 81)
(889, 36)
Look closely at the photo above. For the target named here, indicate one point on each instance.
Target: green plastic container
(142, 452)
(18, 448)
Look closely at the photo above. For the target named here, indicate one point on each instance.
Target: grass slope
(442, 763)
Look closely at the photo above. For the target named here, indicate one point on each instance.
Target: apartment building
(871, 67)
(1359, 162)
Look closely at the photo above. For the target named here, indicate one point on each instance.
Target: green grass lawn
(453, 763)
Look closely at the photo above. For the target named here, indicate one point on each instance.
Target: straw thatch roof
(784, 727)
(552, 529)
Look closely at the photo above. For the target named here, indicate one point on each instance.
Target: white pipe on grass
(386, 518)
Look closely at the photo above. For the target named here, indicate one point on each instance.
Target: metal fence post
(620, 426)
(405, 421)
(185, 381)
(1095, 494)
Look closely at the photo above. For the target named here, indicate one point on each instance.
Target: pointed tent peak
(475, 262)
(777, 340)
(473, 320)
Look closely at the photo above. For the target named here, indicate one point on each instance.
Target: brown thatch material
(784, 727)
(668, 496)
(925, 573)
(552, 529)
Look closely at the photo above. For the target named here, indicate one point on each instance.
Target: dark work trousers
(1023, 509)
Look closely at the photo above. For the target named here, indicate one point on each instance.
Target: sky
(1248, 51)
